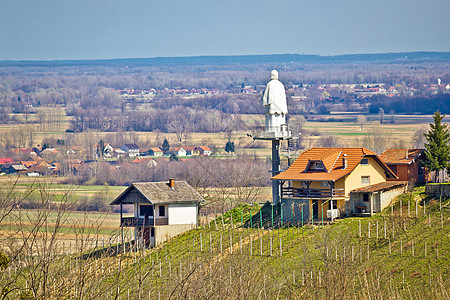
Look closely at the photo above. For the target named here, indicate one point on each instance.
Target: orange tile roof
(155, 149)
(205, 148)
(332, 160)
(400, 156)
(28, 163)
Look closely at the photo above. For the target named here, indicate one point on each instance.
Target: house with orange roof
(205, 150)
(318, 184)
(155, 151)
(406, 164)
(28, 164)
(189, 150)
(179, 151)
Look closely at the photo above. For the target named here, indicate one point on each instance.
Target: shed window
(162, 211)
(364, 162)
(146, 210)
(365, 180)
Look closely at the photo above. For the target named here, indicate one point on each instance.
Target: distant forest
(89, 89)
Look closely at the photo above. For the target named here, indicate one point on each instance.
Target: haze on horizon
(86, 29)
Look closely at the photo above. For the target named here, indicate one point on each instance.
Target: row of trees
(224, 182)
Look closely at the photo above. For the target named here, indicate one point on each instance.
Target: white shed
(161, 210)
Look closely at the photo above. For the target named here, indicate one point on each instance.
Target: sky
(102, 29)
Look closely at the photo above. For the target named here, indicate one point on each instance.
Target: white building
(160, 210)
(131, 149)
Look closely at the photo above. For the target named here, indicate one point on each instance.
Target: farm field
(340, 125)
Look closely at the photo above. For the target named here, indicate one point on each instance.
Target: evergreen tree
(100, 148)
(165, 146)
(229, 147)
(173, 157)
(437, 147)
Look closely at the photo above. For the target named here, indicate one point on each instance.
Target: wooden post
(121, 225)
(359, 228)
(270, 246)
(260, 247)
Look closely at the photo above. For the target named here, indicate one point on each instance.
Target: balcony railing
(290, 192)
(134, 222)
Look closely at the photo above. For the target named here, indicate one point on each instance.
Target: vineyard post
(260, 219)
(272, 215)
(281, 213)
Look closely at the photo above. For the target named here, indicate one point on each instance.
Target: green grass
(304, 249)
(351, 258)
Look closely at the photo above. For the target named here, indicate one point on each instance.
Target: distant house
(12, 168)
(179, 151)
(119, 153)
(204, 150)
(131, 149)
(49, 152)
(148, 160)
(189, 150)
(23, 151)
(39, 169)
(108, 151)
(6, 160)
(161, 210)
(406, 164)
(154, 152)
(28, 164)
(74, 150)
(321, 179)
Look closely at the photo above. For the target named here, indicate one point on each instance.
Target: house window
(365, 180)
(364, 162)
(146, 210)
(304, 184)
(162, 211)
(316, 166)
(324, 184)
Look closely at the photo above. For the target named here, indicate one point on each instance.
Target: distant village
(52, 161)
(360, 91)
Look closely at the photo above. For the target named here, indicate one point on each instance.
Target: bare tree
(361, 121)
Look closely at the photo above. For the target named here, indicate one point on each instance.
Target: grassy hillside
(393, 254)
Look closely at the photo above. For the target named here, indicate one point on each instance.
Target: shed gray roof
(158, 193)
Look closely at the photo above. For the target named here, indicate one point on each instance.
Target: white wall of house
(181, 152)
(182, 214)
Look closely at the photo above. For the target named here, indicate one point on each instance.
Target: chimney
(172, 183)
(344, 161)
(406, 154)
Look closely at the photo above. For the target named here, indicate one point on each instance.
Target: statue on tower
(274, 100)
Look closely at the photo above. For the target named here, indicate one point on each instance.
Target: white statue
(274, 99)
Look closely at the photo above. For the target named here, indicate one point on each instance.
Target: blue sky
(93, 29)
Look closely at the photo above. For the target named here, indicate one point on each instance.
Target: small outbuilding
(161, 210)
(374, 198)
